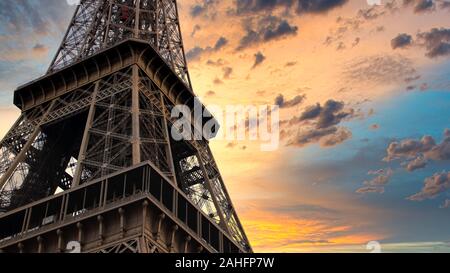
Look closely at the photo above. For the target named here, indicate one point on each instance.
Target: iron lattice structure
(105, 105)
(99, 24)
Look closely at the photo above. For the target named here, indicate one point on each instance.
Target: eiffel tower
(91, 164)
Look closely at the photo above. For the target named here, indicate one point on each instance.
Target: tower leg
(85, 141)
(136, 143)
(23, 153)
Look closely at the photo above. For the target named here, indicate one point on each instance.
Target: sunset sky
(364, 93)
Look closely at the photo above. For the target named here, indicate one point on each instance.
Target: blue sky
(403, 116)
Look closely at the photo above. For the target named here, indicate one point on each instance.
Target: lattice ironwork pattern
(131, 246)
(99, 24)
(137, 245)
(94, 129)
(117, 120)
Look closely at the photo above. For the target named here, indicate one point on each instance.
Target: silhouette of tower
(92, 161)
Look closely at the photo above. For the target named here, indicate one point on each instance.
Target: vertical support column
(85, 141)
(144, 216)
(108, 24)
(156, 26)
(171, 244)
(25, 220)
(40, 241)
(59, 233)
(122, 222)
(143, 247)
(136, 142)
(63, 211)
(100, 230)
(157, 233)
(168, 137)
(137, 24)
(186, 244)
(20, 246)
(80, 233)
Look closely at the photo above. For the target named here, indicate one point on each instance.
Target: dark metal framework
(136, 210)
(105, 105)
(99, 24)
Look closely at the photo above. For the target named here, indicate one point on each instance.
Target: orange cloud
(278, 232)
